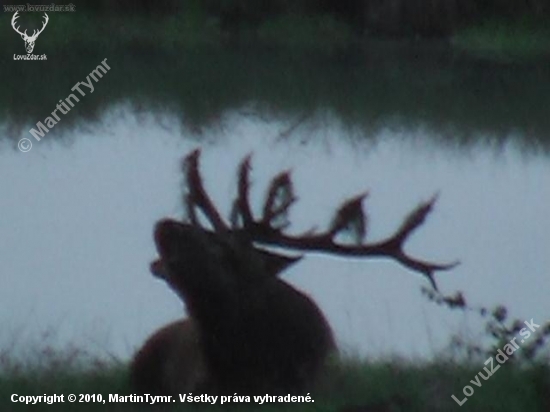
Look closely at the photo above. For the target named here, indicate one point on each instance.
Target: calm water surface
(76, 221)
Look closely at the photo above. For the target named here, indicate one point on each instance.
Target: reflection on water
(76, 221)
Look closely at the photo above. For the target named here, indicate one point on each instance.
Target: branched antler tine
(350, 213)
(426, 268)
(321, 243)
(190, 210)
(432, 281)
(235, 217)
(243, 202)
(197, 196)
(415, 219)
(14, 22)
(279, 198)
(394, 244)
(391, 247)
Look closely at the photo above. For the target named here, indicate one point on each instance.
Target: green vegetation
(316, 25)
(402, 385)
(46, 370)
(363, 63)
(521, 383)
(323, 33)
(506, 40)
(455, 101)
(91, 32)
(408, 18)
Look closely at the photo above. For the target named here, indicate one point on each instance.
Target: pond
(77, 213)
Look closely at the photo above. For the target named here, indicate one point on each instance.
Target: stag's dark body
(170, 362)
(249, 331)
(257, 333)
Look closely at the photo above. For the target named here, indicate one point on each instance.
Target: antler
(269, 229)
(35, 33)
(13, 19)
(46, 20)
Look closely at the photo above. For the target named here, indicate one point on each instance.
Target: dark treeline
(454, 100)
(427, 18)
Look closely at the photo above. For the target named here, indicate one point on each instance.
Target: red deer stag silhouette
(249, 331)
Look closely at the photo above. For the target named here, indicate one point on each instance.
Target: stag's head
(29, 40)
(225, 261)
(192, 261)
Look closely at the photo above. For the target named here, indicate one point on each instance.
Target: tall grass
(349, 385)
(43, 369)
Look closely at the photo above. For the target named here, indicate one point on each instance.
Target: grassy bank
(394, 385)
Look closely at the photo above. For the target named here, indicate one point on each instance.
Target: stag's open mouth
(163, 233)
(174, 241)
(157, 268)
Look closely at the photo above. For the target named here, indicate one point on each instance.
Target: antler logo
(29, 40)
